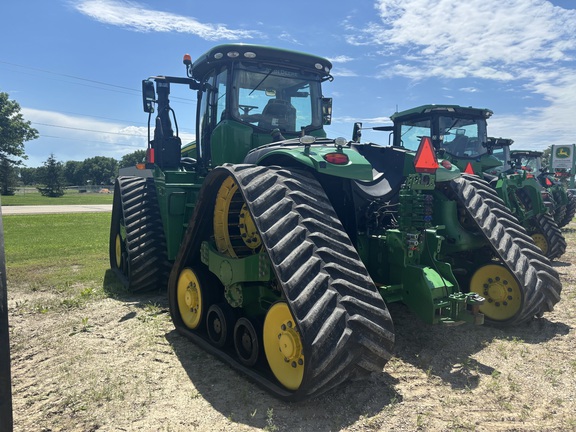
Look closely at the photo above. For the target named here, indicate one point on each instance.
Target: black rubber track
(570, 210)
(548, 227)
(513, 246)
(146, 266)
(344, 324)
(560, 209)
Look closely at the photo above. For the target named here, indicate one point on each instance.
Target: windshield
(503, 155)
(531, 164)
(462, 137)
(412, 132)
(458, 136)
(273, 98)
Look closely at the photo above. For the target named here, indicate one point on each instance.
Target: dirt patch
(118, 365)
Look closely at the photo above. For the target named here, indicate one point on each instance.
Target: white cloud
(344, 72)
(529, 44)
(77, 137)
(489, 39)
(341, 59)
(136, 17)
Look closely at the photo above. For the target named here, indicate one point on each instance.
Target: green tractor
(459, 134)
(280, 247)
(563, 201)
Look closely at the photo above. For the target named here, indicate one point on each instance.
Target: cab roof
(448, 109)
(227, 53)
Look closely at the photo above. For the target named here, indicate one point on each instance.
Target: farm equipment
(563, 201)
(279, 246)
(459, 134)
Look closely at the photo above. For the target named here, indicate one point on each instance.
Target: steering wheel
(247, 108)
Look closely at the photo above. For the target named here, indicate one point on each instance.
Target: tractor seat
(278, 114)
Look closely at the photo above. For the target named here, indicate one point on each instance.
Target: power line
(89, 130)
(91, 141)
(114, 86)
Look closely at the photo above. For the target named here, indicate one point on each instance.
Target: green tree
(74, 173)
(14, 132)
(52, 176)
(100, 170)
(28, 176)
(131, 159)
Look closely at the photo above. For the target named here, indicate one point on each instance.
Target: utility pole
(6, 420)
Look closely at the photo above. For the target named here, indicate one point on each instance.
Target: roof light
(232, 54)
(336, 158)
(187, 60)
(425, 160)
(469, 169)
(250, 54)
(307, 139)
(218, 55)
(340, 141)
(318, 66)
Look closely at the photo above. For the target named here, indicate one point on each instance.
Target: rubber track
(554, 237)
(344, 324)
(145, 241)
(570, 210)
(513, 246)
(560, 210)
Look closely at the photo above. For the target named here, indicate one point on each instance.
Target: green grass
(63, 257)
(70, 197)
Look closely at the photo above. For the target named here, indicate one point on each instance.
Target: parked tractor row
(280, 247)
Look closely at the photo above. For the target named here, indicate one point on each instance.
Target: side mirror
(326, 111)
(357, 132)
(148, 96)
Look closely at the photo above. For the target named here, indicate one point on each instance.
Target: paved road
(47, 209)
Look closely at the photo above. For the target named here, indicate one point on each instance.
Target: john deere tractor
(279, 246)
(564, 201)
(459, 134)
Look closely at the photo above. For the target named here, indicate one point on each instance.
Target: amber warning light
(425, 160)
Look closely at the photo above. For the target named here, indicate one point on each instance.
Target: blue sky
(75, 66)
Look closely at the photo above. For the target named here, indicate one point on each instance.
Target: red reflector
(425, 160)
(446, 164)
(150, 155)
(469, 169)
(548, 182)
(336, 158)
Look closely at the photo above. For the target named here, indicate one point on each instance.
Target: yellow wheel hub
(118, 250)
(541, 242)
(500, 289)
(283, 346)
(189, 297)
(248, 230)
(235, 233)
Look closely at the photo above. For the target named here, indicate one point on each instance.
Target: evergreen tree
(52, 176)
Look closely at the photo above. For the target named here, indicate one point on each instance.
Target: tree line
(54, 175)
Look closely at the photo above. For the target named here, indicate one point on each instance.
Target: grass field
(64, 256)
(71, 197)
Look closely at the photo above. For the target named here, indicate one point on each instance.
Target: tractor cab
(247, 96)
(500, 149)
(528, 160)
(458, 133)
